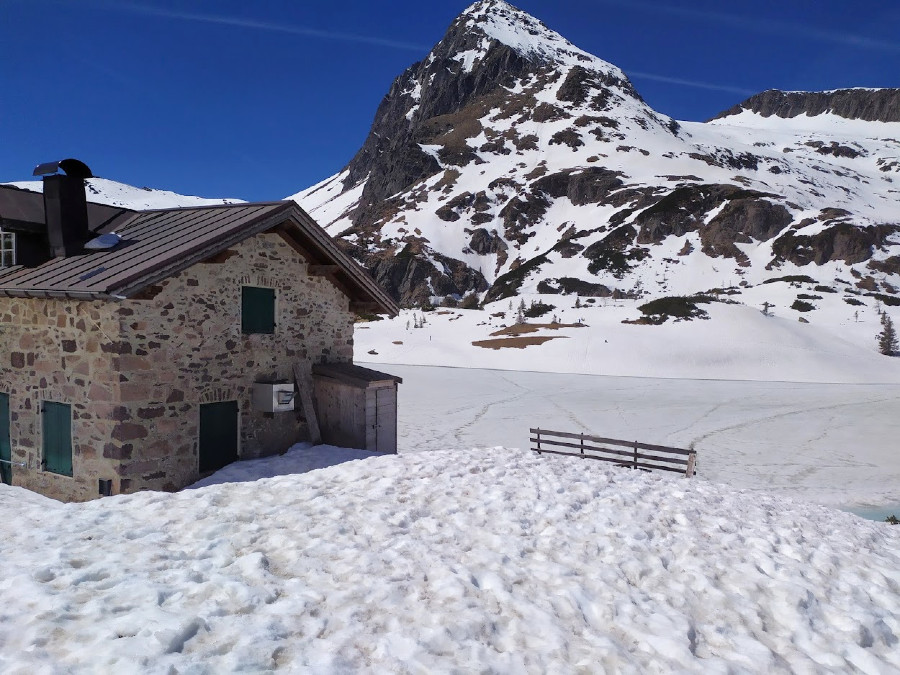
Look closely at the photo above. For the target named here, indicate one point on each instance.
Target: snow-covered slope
(484, 560)
(736, 342)
(509, 162)
(113, 193)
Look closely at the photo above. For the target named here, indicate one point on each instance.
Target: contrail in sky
(263, 25)
(760, 26)
(690, 83)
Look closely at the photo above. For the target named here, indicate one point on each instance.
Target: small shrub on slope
(802, 306)
(680, 308)
(793, 279)
(537, 309)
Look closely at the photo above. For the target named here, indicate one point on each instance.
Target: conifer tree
(887, 338)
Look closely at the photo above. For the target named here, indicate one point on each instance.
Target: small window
(7, 249)
(57, 441)
(257, 309)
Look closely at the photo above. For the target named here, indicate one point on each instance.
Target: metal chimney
(65, 205)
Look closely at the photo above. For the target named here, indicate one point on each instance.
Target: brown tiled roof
(159, 243)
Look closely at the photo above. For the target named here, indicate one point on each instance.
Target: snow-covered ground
(736, 343)
(485, 560)
(833, 444)
(114, 193)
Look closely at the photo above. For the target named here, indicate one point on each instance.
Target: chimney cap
(73, 167)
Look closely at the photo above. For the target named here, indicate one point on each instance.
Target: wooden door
(218, 435)
(386, 419)
(5, 447)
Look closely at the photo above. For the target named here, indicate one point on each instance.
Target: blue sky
(225, 98)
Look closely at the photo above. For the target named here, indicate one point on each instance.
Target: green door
(5, 448)
(57, 428)
(218, 435)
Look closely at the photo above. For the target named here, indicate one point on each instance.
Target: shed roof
(157, 244)
(355, 375)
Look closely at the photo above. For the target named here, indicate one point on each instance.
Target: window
(7, 249)
(57, 437)
(257, 309)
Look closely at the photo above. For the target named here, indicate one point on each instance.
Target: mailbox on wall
(273, 396)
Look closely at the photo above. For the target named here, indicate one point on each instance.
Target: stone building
(131, 341)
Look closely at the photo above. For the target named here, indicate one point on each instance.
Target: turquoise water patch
(878, 514)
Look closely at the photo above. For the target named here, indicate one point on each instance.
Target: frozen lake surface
(834, 444)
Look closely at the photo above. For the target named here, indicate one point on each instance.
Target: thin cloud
(271, 26)
(691, 83)
(767, 26)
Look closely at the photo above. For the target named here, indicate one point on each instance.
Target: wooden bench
(637, 455)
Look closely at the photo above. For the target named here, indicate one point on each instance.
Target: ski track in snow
(789, 413)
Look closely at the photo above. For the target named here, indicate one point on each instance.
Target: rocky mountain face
(872, 105)
(511, 161)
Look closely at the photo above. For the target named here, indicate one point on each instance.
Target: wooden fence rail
(637, 455)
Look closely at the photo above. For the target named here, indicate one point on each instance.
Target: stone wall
(52, 350)
(136, 371)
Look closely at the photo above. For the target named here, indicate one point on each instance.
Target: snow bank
(301, 458)
(487, 560)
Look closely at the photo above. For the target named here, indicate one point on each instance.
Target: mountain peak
(527, 36)
(509, 162)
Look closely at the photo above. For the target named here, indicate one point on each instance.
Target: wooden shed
(357, 407)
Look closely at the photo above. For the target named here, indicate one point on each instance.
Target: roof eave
(354, 275)
(58, 295)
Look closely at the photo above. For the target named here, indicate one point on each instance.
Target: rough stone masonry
(135, 371)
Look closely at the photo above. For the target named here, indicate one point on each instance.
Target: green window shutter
(257, 309)
(57, 428)
(5, 447)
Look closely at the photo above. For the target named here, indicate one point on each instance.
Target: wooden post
(538, 437)
(581, 439)
(692, 460)
(304, 387)
(635, 455)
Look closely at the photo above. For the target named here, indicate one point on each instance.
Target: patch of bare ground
(525, 328)
(516, 342)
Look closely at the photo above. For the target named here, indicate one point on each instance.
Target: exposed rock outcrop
(873, 105)
(844, 241)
